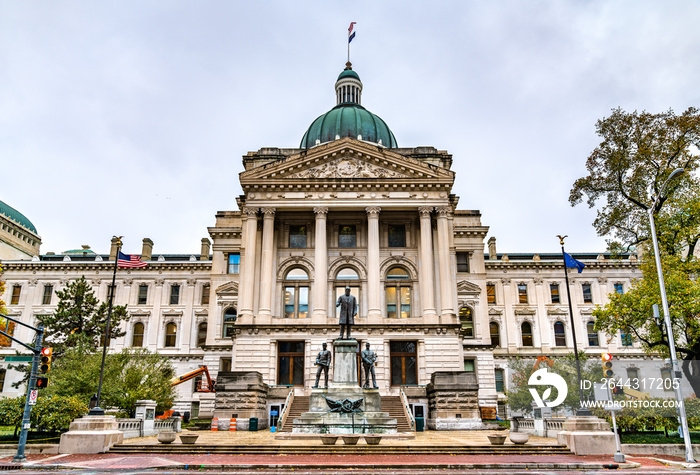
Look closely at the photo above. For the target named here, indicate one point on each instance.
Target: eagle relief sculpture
(346, 406)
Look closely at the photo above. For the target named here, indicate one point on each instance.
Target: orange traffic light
(607, 365)
(45, 365)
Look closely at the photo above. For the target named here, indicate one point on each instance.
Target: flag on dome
(351, 34)
(571, 262)
(126, 260)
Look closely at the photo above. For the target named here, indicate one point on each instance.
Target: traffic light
(607, 365)
(42, 382)
(45, 365)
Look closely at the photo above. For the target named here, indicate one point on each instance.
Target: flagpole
(583, 410)
(97, 410)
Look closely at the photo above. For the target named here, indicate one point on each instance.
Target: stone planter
(519, 437)
(497, 439)
(329, 439)
(373, 439)
(350, 439)
(166, 437)
(188, 438)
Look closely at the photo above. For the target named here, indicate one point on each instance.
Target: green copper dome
(14, 215)
(348, 118)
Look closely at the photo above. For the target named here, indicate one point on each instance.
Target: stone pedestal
(453, 402)
(146, 411)
(90, 435)
(587, 436)
(320, 420)
(241, 395)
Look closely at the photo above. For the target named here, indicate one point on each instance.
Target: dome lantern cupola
(348, 118)
(348, 87)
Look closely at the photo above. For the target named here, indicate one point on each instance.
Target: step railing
(407, 410)
(286, 410)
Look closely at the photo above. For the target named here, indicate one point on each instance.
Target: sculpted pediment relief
(346, 159)
(495, 311)
(524, 311)
(465, 286)
(228, 287)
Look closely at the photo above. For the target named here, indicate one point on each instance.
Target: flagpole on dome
(571, 262)
(351, 35)
(97, 410)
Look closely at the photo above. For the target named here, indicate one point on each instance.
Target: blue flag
(571, 262)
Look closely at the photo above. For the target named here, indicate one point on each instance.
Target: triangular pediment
(467, 287)
(349, 160)
(228, 288)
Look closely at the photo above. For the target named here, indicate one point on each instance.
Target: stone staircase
(394, 406)
(300, 404)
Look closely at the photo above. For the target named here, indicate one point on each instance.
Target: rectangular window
(462, 262)
(290, 363)
(234, 263)
(632, 374)
(143, 294)
(174, 294)
(297, 236)
(619, 288)
(48, 293)
(667, 378)
(470, 366)
(625, 338)
(296, 302)
(397, 235)
(194, 409)
(554, 293)
(225, 365)
(499, 380)
(403, 363)
(587, 296)
(398, 301)
(491, 294)
(522, 293)
(206, 288)
(16, 291)
(347, 236)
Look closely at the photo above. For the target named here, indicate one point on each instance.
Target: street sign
(33, 395)
(19, 358)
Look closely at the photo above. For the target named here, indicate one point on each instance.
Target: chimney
(205, 250)
(147, 250)
(113, 249)
(492, 248)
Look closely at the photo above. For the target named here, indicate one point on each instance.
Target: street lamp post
(667, 319)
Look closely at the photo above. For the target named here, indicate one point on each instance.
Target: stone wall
(453, 402)
(242, 395)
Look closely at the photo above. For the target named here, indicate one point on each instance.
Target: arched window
(296, 294)
(466, 319)
(230, 317)
(526, 333)
(495, 332)
(592, 334)
(202, 335)
(559, 334)
(137, 337)
(398, 293)
(347, 277)
(170, 334)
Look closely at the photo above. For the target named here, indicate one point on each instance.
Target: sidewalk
(332, 461)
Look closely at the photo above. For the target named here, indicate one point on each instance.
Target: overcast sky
(131, 117)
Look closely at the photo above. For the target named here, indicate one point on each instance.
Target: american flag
(125, 260)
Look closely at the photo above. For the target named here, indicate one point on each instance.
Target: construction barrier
(232, 425)
(215, 424)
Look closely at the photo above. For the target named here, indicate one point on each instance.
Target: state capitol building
(348, 207)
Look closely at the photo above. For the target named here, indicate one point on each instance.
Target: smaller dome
(348, 73)
(85, 251)
(14, 215)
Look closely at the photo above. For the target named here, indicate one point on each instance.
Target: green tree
(80, 319)
(631, 312)
(130, 375)
(638, 152)
(51, 413)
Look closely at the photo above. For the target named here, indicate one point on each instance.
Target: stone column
(427, 281)
(266, 265)
(373, 261)
(444, 261)
(321, 264)
(247, 285)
